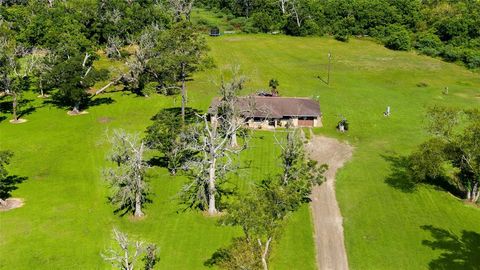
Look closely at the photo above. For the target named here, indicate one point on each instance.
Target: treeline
(440, 28)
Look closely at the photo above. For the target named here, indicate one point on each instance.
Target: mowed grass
(66, 221)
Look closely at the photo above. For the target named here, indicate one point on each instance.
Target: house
(270, 112)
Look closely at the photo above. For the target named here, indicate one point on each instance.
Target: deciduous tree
(455, 142)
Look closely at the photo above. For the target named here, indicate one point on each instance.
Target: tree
(455, 143)
(170, 138)
(261, 214)
(73, 77)
(181, 9)
(273, 83)
(8, 183)
(260, 219)
(398, 38)
(183, 50)
(213, 162)
(296, 167)
(5, 187)
(14, 79)
(127, 255)
(42, 73)
(228, 111)
(129, 188)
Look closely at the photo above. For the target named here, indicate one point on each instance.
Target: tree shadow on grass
(458, 252)
(100, 101)
(9, 184)
(22, 109)
(127, 208)
(399, 177)
(90, 103)
(158, 161)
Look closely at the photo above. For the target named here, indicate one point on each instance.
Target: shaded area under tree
(459, 252)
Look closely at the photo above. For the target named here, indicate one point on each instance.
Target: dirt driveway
(327, 218)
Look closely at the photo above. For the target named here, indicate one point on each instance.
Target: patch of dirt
(104, 120)
(43, 96)
(18, 121)
(71, 113)
(327, 219)
(11, 203)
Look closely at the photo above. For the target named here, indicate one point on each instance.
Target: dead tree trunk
(14, 106)
(473, 194)
(265, 251)
(184, 93)
(76, 108)
(211, 185)
(138, 205)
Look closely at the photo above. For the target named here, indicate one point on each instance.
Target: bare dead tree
(283, 5)
(144, 51)
(114, 43)
(229, 108)
(294, 10)
(181, 9)
(215, 158)
(292, 154)
(128, 178)
(128, 253)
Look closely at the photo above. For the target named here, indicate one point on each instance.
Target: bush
(342, 35)
(150, 88)
(429, 44)
(262, 21)
(239, 23)
(398, 38)
(308, 27)
(452, 53)
(471, 58)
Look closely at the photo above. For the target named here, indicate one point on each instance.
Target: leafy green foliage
(167, 135)
(398, 38)
(456, 143)
(448, 23)
(8, 183)
(429, 44)
(73, 77)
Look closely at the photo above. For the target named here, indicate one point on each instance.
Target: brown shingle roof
(273, 107)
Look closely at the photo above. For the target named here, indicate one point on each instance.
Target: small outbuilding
(266, 112)
(214, 32)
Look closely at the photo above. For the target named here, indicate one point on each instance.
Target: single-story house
(271, 112)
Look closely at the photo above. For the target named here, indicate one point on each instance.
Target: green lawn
(66, 221)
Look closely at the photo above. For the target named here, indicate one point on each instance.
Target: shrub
(429, 44)
(150, 88)
(308, 27)
(342, 35)
(239, 23)
(452, 53)
(398, 38)
(471, 58)
(262, 21)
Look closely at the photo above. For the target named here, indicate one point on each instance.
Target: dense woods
(443, 28)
